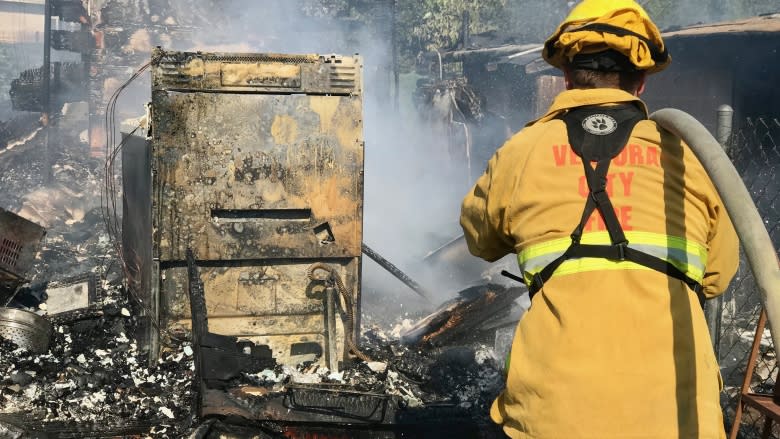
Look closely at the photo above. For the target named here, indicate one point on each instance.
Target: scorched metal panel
(257, 166)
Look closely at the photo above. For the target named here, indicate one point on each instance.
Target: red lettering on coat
(624, 217)
(652, 156)
(559, 153)
(621, 158)
(626, 178)
(635, 155)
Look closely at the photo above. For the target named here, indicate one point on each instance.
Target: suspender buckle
(621, 250)
(536, 282)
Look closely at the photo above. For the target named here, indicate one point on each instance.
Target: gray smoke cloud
(412, 196)
(690, 12)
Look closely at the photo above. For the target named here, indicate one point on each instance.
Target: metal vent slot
(10, 252)
(342, 76)
(172, 73)
(248, 215)
(287, 59)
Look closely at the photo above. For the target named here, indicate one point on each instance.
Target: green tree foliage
(421, 25)
(436, 24)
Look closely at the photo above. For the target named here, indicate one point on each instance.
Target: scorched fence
(755, 152)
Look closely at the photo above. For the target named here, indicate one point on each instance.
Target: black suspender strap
(667, 268)
(616, 252)
(598, 200)
(599, 143)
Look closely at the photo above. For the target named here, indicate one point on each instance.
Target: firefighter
(620, 236)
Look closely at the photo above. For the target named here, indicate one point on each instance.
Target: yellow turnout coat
(608, 349)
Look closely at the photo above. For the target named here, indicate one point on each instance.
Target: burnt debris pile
(95, 374)
(59, 188)
(96, 378)
(95, 381)
(399, 385)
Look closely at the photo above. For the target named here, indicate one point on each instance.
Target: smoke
(412, 195)
(690, 12)
(535, 20)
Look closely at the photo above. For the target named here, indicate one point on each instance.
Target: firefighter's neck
(636, 91)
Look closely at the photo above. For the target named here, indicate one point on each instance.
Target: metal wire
(109, 195)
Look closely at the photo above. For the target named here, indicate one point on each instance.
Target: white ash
(94, 373)
(336, 376)
(167, 412)
(377, 366)
(400, 328)
(483, 354)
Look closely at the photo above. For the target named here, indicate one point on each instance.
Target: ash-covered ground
(95, 382)
(94, 377)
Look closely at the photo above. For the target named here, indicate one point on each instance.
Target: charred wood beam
(199, 328)
(47, 88)
(462, 315)
(491, 52)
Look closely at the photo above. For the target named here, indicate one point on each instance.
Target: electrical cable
(108, 198)
(349, 317)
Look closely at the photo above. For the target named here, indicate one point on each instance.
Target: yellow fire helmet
(597, 30)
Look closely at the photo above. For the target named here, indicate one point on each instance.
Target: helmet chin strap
(606, 61)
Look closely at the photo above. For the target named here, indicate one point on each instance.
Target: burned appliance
(67, 81)
(257, 166)
(20, 241)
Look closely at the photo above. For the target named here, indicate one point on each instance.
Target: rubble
(94, 373)
(95, 378)
(66, 201)
(473, 308)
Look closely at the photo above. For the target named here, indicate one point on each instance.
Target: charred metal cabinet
(257, 166)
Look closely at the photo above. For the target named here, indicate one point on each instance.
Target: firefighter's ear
(642, 82)
(567, 79)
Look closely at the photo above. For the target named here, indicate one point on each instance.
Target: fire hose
(747, 221)
(349, 318)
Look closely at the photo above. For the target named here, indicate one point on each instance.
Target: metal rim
(26, 329)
